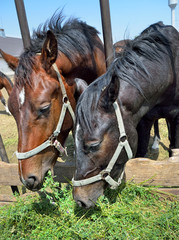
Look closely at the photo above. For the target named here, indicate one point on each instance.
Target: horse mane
(151, 44)
(74, 38)
(2, 75)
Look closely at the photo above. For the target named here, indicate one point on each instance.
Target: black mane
(151, 44)
(74, 38)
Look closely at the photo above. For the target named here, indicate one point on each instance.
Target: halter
(52, 141)
(105, 174)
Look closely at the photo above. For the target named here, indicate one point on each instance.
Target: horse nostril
(81, 204)
(31, 182)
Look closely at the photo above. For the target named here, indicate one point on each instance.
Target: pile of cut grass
(130, 212)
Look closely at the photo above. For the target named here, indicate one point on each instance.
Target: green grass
(131, 212)
(10, 141)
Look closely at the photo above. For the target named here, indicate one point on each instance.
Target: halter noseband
(52, 141)
(105, 174)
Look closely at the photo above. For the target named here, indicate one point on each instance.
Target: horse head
(46, 90)
(142, 79)
(102, 147)
(36, 103)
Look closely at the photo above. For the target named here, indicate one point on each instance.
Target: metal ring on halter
(65, 99)
(104, 174)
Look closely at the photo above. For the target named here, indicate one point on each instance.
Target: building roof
(11, 45)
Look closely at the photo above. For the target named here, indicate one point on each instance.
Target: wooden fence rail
(155, 173)
(140, 170)
(4, 158)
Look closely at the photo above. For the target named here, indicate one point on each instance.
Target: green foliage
(130, 212)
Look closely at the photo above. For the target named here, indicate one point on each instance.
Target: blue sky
(128, 17)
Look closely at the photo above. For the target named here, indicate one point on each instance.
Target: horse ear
(49, 51)
(81, 85)
(109, 94)
(11, 60)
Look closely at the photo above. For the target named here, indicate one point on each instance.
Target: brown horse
(44, 95)
(120, 46)
(6, 83)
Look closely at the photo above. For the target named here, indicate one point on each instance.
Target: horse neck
(64, 64)
(133, 107)
(87, 68)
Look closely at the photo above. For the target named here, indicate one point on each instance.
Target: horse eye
(93, 147)
(44, 111)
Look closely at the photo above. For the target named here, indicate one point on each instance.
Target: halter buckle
(60, 148)
(55, 143)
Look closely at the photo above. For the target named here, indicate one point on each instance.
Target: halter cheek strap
(52, 141)
(105, 174)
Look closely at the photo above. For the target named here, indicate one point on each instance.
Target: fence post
(23, 22)
(4, 158)
(3, 153)
(107, 33)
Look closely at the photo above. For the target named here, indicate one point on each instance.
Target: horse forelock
(87, 105)
(27, 64)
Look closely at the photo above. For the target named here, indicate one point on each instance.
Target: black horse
(145, 78)
(149, 119)
(170, 114)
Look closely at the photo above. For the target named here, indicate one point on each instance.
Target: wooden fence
(142, 170)
(139, 170)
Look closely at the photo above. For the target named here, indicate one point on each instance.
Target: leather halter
(105, 174)
(52, 140)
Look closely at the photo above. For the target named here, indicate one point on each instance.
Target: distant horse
(145, 77)
(44, 96)
(5, 82)
(151, 118)
(120, 46)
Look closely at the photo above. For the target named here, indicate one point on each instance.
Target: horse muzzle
(86, 196)
(32, 182)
